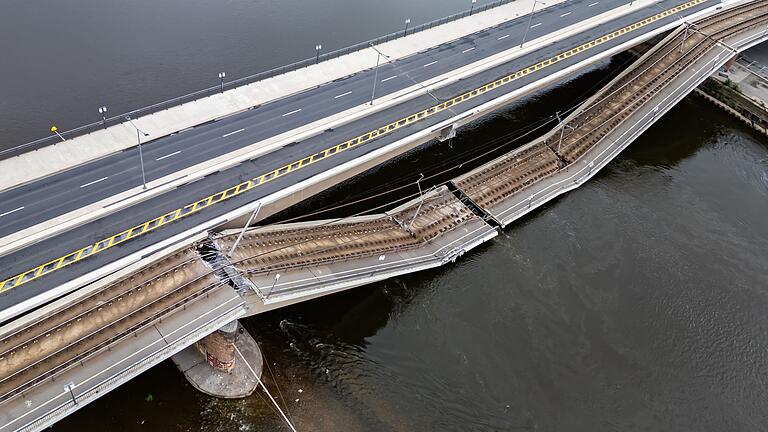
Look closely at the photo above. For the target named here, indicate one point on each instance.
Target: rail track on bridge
(46, 348)
(42, 350)
(292, 246)
(516, 171)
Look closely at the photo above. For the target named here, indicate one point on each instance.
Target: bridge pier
(223, 363)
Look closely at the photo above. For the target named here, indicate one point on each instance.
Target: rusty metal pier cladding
(517, 182)
(318, 258)
(108, 323)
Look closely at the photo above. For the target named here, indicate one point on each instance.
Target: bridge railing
(209, 91)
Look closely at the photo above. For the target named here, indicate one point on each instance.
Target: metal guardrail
(753, 66)
(209, 91)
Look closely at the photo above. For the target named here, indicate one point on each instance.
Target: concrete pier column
(227, 363)
(218, 348)
(729, 63)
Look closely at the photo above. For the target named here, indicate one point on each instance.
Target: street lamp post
(318, 47)
(103, 112)
(472, 8)
(277, 278)
(685, 35)
(139, 132)
(376, 70)
(530, 17)
(407, 21)
(245, 228)
(222, 75)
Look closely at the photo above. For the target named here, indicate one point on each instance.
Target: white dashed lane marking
(12, 211)
(170, 154)
(232, 133)
(93, 182)
(292, 112)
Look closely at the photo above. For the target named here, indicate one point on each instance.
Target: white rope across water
(290, 425)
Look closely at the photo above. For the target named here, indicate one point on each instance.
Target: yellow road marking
(246, 186)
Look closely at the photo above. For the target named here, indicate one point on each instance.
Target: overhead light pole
(472, 8)
(318, 48)
(139, 132)
(222, 75)
(407, 21)
(103, 112)
(245, 228)
(562, 130)
(530, 17)
(379, 54)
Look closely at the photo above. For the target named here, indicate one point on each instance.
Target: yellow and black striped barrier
(241, 188)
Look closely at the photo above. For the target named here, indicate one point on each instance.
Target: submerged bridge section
(67, 354)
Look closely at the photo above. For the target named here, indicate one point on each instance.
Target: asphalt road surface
(70, 190)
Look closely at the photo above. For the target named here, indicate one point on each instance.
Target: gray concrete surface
(238, 383)
(48, 401)
(59, 245)
(101, 143)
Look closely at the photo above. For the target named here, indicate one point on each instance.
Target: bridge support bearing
(223, 363)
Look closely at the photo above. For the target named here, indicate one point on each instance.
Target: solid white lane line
(12, 211)
(231, 133)
(430, 63)
(468, 50)
(592, 4)
(93, 182)
(565, 14)
(342, 95)
(292, 112)
(503, 37)
(172, 154)
(536, 25)
(387, 79)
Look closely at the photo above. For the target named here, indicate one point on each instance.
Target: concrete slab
(238, 383)
(133, 196)
(49, 401)
(575, 175)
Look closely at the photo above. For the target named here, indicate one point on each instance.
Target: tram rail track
(562, 147)
(30, 356)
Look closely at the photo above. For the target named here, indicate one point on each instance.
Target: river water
(636, 302)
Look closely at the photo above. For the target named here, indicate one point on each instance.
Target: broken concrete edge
(136, 195)
(238, 383)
